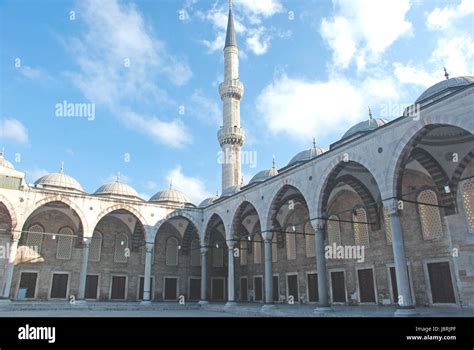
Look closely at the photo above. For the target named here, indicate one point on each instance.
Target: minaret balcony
(231, 88)
(232, 136)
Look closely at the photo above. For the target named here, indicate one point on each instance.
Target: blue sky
(151, 70)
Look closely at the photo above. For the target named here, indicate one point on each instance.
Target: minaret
(231, 136)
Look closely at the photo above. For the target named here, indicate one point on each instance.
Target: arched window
(334, 230)
(309, 238)
(121, 251)
(35, 238)
(429, 215)
(195, 253)
(64, 245)
(172, 251)
(388, 225)
(361, 228)
(257, 249)
(218, 254)
(468, 200)
(274, 248)
(243, 252)
(95, 247)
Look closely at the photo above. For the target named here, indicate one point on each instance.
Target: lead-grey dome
(445, 86)
(208, 201)
(307, 155)
(229, 191)
(117, 189)
(264, 175)
(365, 126)
(59, 181)
(170, 195)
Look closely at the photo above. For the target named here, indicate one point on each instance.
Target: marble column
(147, 276)
(405, 299)
(323, 290)
(230, 274)
(267, 244)
(84, 262)
(203, 300)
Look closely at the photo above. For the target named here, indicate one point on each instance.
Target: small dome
(446, 86)
(170, 195)
(208, 201)
(5, 163)
(264, 175)
(307, 155)
(229, 191)
(365, 126)
(59, 181)
(117, 189)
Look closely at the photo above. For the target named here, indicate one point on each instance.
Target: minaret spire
(231, 136)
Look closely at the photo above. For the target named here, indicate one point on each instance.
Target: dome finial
(370, 114)
(2, 154)
(242, 180)
(171, 184)
(62, 168)
(118, 177)
(314, 142)
(446, 74)
(273, 161)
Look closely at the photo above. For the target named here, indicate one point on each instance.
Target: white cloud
(409, 74)
(35, 74)
(12, 129)
(120, 61)
(364, 29)
(265, 8)
(205, 109)
(443, 18)
(193, 187)
(151, 185)
(258, 41)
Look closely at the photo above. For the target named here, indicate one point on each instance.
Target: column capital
(15, 236)
(267, 235)
(319, 225)
(149, 246)
(231, 243)
(204, 250)
(392, 205)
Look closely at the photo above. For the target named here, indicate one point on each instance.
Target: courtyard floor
(108, 309)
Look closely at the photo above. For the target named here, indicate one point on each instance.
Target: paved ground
(107, 309)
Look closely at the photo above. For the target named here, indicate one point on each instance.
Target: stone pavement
(109, 309)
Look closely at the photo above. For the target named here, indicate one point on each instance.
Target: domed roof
(229, 191)
(307, 155)
(264, 175)
(365, 126)
(445, 85)
(170, 195)
(59, 181)
(117, 189)
(5, 163)
(208, 201)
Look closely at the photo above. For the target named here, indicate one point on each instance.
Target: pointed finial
(314, 142)
(370, 113)
(118, 177)
(446, 74)
(217, 193)
(171, 184)
(242, 180)
(273, 161)
(62, 168)
(2, 154)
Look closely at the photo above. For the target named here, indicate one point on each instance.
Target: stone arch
(212, 222)
(59, 198)
(410, 138)
(236, 225)
(120, 206)
(11, 211)
(174, 214)
(456, 177)
(336, 165)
